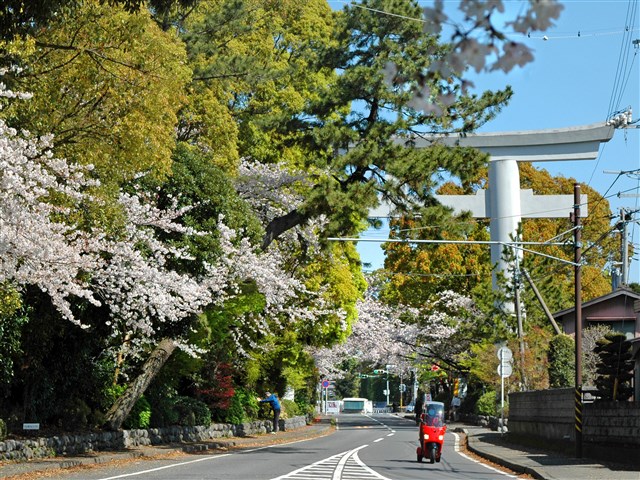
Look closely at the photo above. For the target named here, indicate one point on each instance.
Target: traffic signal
(456, 387)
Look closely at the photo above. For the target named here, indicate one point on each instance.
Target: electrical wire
(560, 36)
(620, 82)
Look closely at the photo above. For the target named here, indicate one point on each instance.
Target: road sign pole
(504, 370)
(324, 391)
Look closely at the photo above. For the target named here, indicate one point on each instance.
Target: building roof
(604, 298)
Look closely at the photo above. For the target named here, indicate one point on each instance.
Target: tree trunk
(118, 413)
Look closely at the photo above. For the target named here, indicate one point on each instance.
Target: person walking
(272, 399)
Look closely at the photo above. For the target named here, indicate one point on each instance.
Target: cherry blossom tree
(404, 336)
(36, 246)
(129, 271)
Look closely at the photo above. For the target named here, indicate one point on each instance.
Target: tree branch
(279, 225)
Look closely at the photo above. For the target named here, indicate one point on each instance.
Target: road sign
(403, 387)
(505, 354)
(435, 368)
(325, 384)
(505, 370)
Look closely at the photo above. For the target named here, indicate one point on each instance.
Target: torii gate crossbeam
(504, 203)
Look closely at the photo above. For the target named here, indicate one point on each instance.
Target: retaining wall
(610, 430)
(73, 444)
(546, 414)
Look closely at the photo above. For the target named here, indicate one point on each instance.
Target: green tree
(349, 384)
(253, 75)
(11, 320)
(355, 127)
(561, 361)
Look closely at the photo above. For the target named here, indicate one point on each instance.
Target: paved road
(375, 447)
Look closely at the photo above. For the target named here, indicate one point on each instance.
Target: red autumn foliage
(220, 391)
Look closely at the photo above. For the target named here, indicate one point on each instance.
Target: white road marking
(457, 449)
(203, 459)
(343, 466)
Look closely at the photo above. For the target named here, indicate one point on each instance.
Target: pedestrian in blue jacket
(275, 405)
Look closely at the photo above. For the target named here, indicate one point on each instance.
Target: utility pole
(577, 235)
(624, 246)
(518, 309)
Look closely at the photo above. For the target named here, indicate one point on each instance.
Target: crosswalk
(343, 466)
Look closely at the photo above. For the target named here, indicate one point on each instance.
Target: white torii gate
(504, 203)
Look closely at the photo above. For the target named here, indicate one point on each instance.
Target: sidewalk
(39, 468)
(544, 465)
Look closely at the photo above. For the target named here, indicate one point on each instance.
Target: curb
(19, 470)
(516, 467)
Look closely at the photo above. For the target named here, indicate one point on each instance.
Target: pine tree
(615, 368)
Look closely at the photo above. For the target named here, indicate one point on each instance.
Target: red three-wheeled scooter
(431, 432)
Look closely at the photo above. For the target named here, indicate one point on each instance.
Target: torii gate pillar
(504, 203)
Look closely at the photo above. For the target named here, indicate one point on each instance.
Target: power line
(560, 36)
(620, 82)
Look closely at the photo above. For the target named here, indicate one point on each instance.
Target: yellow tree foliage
(108, 85)
(420, 270)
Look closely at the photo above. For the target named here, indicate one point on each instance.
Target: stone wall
(615, 422)
(74, 444)
(546, 414)
(610, 430)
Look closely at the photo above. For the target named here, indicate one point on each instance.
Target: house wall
(619, 307)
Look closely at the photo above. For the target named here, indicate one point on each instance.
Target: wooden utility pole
(577, 235)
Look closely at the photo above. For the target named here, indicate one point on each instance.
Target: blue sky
(585, 69)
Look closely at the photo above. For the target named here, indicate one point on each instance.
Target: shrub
(486, 404)
(289, 408)
(191, 411)
(3, 430)
(244, 407)
(306, 409)
(75, 414)
(217, 389)
(162, 399)
(140, 416)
